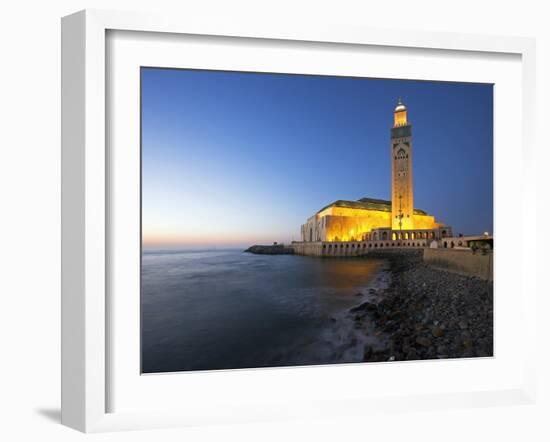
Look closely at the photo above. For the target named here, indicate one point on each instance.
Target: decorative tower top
(400, 114)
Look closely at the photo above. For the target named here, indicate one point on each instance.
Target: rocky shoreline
(426, 313)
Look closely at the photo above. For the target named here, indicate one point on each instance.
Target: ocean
(227, 309)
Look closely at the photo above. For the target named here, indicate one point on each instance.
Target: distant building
(379, 223)
(474, 242)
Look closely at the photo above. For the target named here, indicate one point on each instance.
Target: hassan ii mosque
(353, 227)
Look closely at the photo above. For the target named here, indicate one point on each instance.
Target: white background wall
(30, 220)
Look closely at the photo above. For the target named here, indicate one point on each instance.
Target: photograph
(274, 221)
(299, 220)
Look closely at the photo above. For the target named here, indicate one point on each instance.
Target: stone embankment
(275, 249)
(427, 313)
(463, 261)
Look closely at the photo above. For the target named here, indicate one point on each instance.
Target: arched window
(393, 236)
(445, 244)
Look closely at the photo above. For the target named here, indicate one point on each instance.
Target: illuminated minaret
(401, 171)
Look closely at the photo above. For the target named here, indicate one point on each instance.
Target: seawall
(462, 261)
(352, 248)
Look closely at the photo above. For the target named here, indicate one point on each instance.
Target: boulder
(423, 341)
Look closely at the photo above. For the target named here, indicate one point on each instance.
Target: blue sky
(232, 158)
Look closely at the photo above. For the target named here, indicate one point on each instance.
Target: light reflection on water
(204, 310)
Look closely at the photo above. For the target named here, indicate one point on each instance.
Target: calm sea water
(221, 309)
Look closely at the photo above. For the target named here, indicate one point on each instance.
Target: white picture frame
(86, 203)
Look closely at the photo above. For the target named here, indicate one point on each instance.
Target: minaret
(401, 172)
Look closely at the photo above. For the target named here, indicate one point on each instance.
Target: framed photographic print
(264, 222)
(231, 159)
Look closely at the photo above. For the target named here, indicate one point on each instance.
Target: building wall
(424, 222)
(349, 228)
(347, 224)
(314, 229)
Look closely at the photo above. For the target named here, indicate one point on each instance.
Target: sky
(234, 158)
